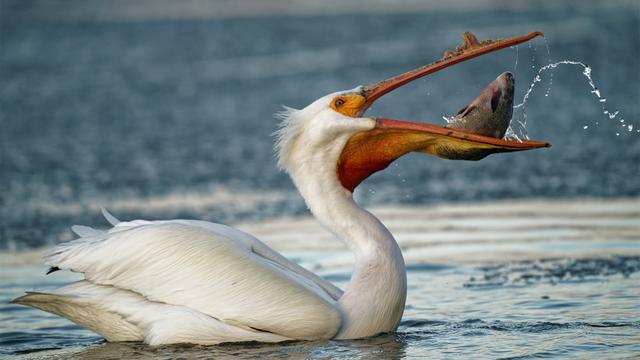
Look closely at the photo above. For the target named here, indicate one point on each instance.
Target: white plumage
(147, 274)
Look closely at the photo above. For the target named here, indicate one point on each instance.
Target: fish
(490, 113)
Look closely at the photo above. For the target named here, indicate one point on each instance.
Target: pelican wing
(214, 269)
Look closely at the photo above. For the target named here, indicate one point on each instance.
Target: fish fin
(462, 110)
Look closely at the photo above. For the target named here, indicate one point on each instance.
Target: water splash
(512, 135)
(519, 131)
(533, 55)
(449, 119)
(546, 93)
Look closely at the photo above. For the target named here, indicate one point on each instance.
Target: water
(168, 114)
(534, 278)
(519, 131)
(564, 308)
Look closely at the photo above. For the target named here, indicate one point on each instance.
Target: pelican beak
(370, 151)
(470, 49)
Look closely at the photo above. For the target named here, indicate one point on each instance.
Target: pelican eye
(348, 104)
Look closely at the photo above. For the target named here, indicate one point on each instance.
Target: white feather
(289, 129)
(109, 217)
(120, 315)
(86, 231)
(206, 267)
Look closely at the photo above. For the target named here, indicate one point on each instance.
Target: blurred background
(162, 109)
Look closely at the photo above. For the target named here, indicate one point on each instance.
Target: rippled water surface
(561, 308)
(530, 278)
(125, 109)
(157, 114)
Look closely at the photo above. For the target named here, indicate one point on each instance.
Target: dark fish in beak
(490, 113)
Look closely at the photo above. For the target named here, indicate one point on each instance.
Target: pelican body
(188, 281)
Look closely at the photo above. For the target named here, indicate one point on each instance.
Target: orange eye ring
(348, 104)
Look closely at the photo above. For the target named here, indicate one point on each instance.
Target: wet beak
(373, 150)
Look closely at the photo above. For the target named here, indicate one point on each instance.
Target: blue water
(96, 110)
(560, 308)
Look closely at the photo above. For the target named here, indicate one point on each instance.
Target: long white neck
(375, 297)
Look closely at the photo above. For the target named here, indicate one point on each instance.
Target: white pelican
(188, 281)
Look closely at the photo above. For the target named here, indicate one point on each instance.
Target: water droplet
(594, 90)
(449, 119)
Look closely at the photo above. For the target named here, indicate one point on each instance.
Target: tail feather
(121, 315)
(52, 269)
(85, 231)
(109, 217)
(88, 314)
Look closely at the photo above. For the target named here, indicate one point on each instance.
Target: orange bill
(370, 151)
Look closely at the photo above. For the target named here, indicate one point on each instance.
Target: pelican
(189, 281)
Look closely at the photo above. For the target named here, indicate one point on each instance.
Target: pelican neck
(375, 296)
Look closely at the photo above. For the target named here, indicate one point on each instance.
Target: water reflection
(388, 346)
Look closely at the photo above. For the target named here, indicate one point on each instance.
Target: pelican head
(334, 129)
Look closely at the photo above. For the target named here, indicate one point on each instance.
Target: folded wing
(216, 270)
